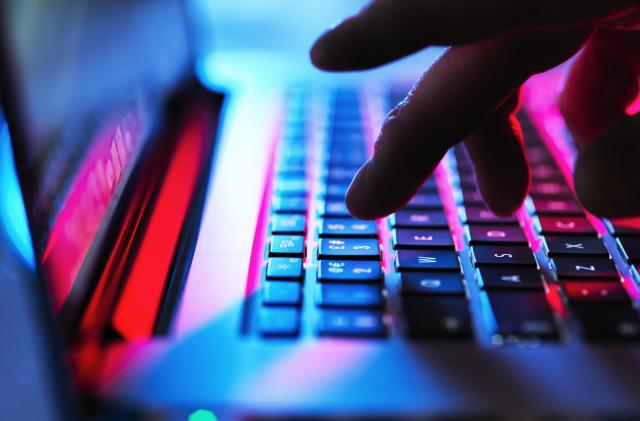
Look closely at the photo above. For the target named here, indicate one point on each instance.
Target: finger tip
(359, 199)
(506, 197)
(319, 55)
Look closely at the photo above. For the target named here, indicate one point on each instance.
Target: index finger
(389, 29)
(460, 91)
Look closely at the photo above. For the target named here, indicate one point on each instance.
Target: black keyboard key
(347, 159)
(585, 268)
(284, 268)
(279, 321)
(502, 256)
(347, 227)
(471, 198)
(419, 219)
(564, 245)
(538, 155)
(613, 322)
(630, 249)
(496, 234)
(290, 187)
(482, 215)
(292, 170)
(349, 249)
(497, 278)
(335, 208)
(546, 172)
(429, 283)
(425, 201)
(336, 191)
(566, 206)
(340, 174)
(349, 295)
(289, 204)
(286, 245)
(438, 260)
(521, 316)
(281, 293)
(595, 292)
(420, 238)
(550, 189)
(351, 323)
(467, 182)
(349, 271)
(437, 317)
(288, 224)
(575, 225)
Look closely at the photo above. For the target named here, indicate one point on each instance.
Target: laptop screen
(86, 83)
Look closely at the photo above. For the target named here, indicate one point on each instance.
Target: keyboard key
(349, 271)
(495, 278)
(419, 238)
(495, 234)
(340, 174)
(471, 198)
(288, 224)
(290, 187)
(336, 191)
(566, 206)
(502, 256)
(351, 323)
(347, 227)
(419, 219)
(281, 293)
(585, 268)
(545, 172)
(595, 292)
(538, 155)
(424, 201)
(481, 215)
(563, 245)
(284, 268)
(289, 204)
(349, 248)
(437, 317)
(612, 322)
(335, 208)
(349, 295)
(346, 159)
(431, 283)
(522, 316)
(286, 245)
(279, 321)
(438, 260)
(550, 189)
(630, 249)
(576, 225)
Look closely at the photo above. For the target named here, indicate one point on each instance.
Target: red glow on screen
(634, 108)
(136, 312)
(87, 202)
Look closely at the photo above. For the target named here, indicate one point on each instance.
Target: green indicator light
(203, 415)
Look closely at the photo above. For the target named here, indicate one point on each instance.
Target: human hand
(472, 93)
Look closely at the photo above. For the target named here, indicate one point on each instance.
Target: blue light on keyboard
(13, 217)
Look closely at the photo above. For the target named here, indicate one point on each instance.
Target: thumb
(606, 172)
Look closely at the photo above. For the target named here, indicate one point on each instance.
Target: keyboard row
(519, 284)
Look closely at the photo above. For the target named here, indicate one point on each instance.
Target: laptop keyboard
(442, 268)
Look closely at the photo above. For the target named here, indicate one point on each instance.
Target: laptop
(188, 229)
